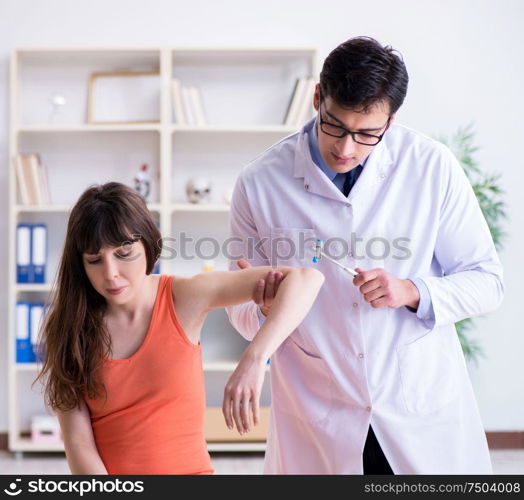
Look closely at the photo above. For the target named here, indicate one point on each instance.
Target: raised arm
(81, 452)
(293, 300)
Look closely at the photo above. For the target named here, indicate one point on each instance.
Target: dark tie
(350, 179)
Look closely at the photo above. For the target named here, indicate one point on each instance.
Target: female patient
(123, 365)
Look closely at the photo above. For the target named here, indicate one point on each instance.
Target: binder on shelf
(35, 323)
(24, 353)
(178, 107)
(38, 252)
(23, 253)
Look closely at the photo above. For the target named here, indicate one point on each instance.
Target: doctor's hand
(381, 289)
(266, 289)
(242, 392)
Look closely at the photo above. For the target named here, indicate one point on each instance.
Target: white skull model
(198, 190)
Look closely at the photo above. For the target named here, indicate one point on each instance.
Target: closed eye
(120, 256)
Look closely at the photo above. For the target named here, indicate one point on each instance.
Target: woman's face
(117, 273)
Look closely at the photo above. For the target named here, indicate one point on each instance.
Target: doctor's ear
(391, 119)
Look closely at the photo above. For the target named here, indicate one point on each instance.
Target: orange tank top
(152, 421)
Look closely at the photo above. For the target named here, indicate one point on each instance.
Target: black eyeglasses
(358, 137)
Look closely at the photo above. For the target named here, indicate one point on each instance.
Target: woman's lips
(116, 291)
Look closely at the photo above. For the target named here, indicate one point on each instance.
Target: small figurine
(198, 190)
(143, 182)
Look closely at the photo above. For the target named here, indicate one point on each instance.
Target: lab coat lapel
(315, 181)
(375, 171)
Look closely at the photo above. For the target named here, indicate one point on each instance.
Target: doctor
(374, 380)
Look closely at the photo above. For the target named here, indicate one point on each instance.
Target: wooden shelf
(64, 208)
(200, 207)
(78, 154)
(109, 127)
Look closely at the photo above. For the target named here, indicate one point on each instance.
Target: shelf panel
(200, 207)
(25, 444)
(33, 287)
(63, 208)
(234, 447)
(213, 129)
(107, 127)
(26, 367)
(209, 366)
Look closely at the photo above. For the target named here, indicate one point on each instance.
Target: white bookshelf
(245, 93)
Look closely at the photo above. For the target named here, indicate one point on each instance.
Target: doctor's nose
(346, 145)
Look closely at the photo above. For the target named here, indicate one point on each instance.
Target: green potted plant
(489, 194)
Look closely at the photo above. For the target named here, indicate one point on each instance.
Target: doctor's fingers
(374, 295)
(365, 276)
(226, 411)
(273, 281)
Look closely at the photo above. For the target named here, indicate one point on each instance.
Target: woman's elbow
(312, 275)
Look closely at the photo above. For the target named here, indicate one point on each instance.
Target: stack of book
(187, 105)
(301, 103)
(32, 179)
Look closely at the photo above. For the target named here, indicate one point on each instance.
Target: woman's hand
(242, 392)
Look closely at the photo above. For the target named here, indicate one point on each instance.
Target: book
(294, 104)
(32, 179)
(188, 106)
(198, 106)
(23, 188)
(305, 107)
(178, 108)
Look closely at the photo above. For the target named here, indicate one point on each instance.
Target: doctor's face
(342, 154)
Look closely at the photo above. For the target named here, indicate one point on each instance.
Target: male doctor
(374, 380)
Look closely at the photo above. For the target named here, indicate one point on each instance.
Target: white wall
(464, 58)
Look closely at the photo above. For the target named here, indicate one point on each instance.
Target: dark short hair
(360, 73)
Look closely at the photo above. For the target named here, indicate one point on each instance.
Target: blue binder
(23, 253)
(38, 252)
(35, 323)
(24, 353)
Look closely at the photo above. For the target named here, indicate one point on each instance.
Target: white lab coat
(349, 365)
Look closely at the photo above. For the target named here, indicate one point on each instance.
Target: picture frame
(126, 97)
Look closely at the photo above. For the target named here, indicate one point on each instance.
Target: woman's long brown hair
(74, 339)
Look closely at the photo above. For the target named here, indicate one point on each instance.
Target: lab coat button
(348, 205)
(306, 187)
(382, 176)
(355, 304)
(368, 408)
(360, 355)
(426, 317)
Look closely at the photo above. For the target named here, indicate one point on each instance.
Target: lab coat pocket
(301, 383)
(292, 246)
(428, 372)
